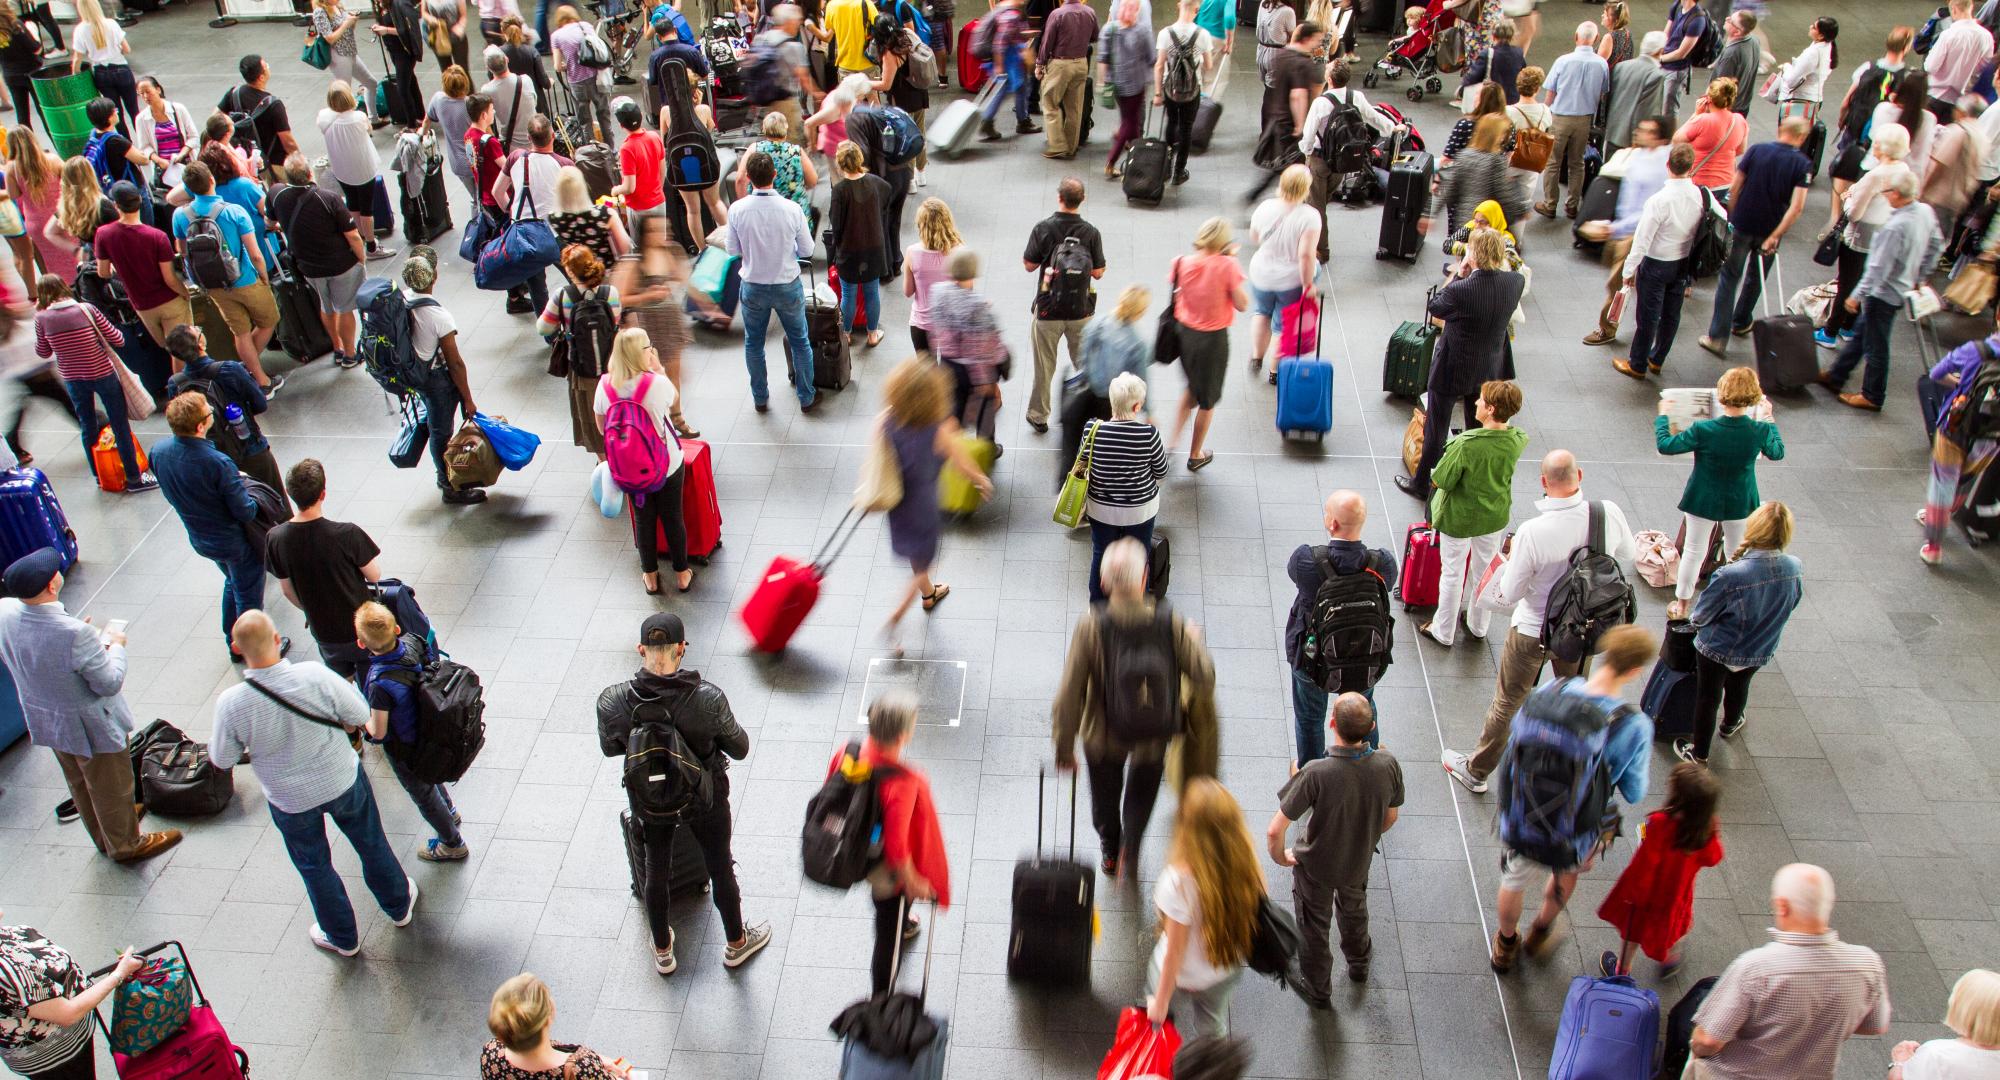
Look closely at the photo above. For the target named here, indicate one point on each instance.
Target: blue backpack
(902, 139)
(401, 600)
(93, 152)
(387, 346)
(1554, 784)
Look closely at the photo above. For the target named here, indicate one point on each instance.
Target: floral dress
(34, 969)
(1479, 19)
(493, 1065)
(591, 228)
(791, 182)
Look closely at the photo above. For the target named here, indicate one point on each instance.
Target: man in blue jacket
(205, 489)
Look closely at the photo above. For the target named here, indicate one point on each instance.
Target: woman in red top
(1653, 903)
(1718, 136)
(913, 863)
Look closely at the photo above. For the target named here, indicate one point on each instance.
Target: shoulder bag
(881, 483)
(524, 247)
(1167, 339)
(1076, 484)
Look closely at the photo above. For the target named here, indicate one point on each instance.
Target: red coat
(1653, 902)
(910, 828)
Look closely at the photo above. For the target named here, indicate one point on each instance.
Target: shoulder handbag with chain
(1076, 485)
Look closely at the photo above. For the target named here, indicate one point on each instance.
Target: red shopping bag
(1140, 1051)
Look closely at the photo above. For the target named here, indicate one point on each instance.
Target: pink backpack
(632, 444)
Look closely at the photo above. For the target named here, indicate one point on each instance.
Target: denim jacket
(1739, 616)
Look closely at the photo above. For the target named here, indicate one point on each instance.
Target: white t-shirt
(541, 171)
(1203, 43)
(1950, 1059)
(429, 325)
(350, 151)
(1174, 895)
(658, 402)
(1281, 228)
(83, 42)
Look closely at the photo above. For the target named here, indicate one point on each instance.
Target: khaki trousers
(1063, 83)
(1320, 909)
(101, 784)
(1615, 251)
(1572, 135)
(1521, 661)
(1047, 333)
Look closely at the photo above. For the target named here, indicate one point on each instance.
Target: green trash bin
(63, 98)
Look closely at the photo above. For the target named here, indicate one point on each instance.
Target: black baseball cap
(662, 628)
(125, 196)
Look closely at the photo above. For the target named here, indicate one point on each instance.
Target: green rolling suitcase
(1406, 367)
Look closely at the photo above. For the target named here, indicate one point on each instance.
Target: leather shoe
(1859, 401)
(138, 810)
(1408, 485)
(1825, 378)
(1599, 337)
(1040, 427)
(151, 844)
(1624, 367)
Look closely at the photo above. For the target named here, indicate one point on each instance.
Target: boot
(987, 132)
(1026, 127)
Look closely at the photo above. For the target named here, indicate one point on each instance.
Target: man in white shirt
(1325, 180)
(769, 233)
(1954, 62)
(506, 89)
(1656, 267)
(1537, 558)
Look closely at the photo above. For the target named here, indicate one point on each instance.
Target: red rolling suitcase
(788, 590)
(200, 1050)
(860, 310)
(699, 508)
(1422, 566)
(971, 71)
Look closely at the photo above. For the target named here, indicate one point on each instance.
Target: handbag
(477, 232)
(407, 448)
(1972, 290)
(881, 484)
(138, 400)
(515, 447)
(1167, 338)
(317, 53)
(151, 1006)
(1657, 559)
(1413, 442)
(11, 224)
(1076, 484)
(710, 276)
(1532, 146)
(1140, 1051)
(1814, 301)
(1828, 252)
(524, 247)
(469, 459)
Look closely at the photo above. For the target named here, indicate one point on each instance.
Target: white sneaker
(920, 178)
(663, 959)
(1459, 767)
(754, 939)
(320, 939)
(411, 912)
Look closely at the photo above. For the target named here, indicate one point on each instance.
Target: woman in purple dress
(923, 435)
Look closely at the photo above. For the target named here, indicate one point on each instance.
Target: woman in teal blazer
(1722, 490)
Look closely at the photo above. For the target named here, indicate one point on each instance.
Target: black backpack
(1711, 240)
(220, 433)
(1346, 141)
(842, 838)
(663, 778)
(1349, 630)
(1975, 413)
(243, 125)
(1180, 78)
(451, 711)
(1870, 90)
(1139, 679)
(1065, 290)
(591, 330)
(1707, 47)
(1591, 597)
(207, 258)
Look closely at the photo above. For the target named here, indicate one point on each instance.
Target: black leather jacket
(699, 711)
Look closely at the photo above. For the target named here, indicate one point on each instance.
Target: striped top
(299, 764)
(1785, 1008)
(75, 334)
(1127, 461)
(34, 969)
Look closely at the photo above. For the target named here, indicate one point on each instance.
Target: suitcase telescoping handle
(1041, 796)
(199, 997)
(896, 956)
(837, 543)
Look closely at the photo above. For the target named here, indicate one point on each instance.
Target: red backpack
(632, 444)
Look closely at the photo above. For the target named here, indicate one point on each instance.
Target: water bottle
(232, 414)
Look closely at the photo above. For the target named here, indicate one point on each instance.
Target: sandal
(937, 594)
(683, 588)
(653, 589)
(1196, 464)
(874, 339)
(682, 428)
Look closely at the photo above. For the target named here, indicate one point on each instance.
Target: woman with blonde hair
(585, 272)
(577, 220)
(924, 265)
(80, 209)
(1208, 897)
(634, 374)
(1722, 489)
(796, 176)
(1286, 229)
(1718, 135)
(827, 128)
(32, 183)
(520, 1015)
(334, 24)
(592, 101)
(1973, 1014)
(1209, 292)
(1738, 621)
(100, 42)
(1615, 43)
(351, 157)
(1112, 346)
(923, 436)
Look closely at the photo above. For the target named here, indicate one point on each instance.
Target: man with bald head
(1785, 1008)
(1537, 557)
(1343, 554)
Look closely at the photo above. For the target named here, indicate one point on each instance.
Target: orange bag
(111, 467)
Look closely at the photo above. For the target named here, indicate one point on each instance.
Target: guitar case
(691, 159)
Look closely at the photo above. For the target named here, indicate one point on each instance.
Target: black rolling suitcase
(833, 366)
(1669, 694)
(428, 215)
(1148, 163)
(690, 871)
(1787, 357)
(1599, 203)
(1404, 203)
(1680, 1028)
(1054, 906)
(300, 333)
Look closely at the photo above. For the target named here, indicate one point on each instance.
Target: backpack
(632, 444)
(1554, 784)
(919, 60)
(842, 838)
(763, 76)
(1707, 47)
(1975, 412)
(1180, 80)
(1711, 240)
(207, 259)
(451, 709)
(1591, 597)
(93, 151)
(902, 139)
(386, 342)
(1346, 140)
(591, 330)
(591, 51)
(1064, 291)
(1139, 679)
(219, 433)
(1933, 28)
(982, 37)
(106, 294)
(1349, 630)
(663, 779)
(1870, 90)
(244, 131)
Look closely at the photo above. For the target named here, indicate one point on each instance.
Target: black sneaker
(277, 383)
(1729, 728)
(462, 496)
(1684, 750)
(344, 361)
(1181, 177)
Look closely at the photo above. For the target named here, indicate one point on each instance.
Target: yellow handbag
(1076, 486)
(1972, 290)
(1413, 442)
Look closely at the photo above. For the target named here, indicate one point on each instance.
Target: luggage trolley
(200, 1048)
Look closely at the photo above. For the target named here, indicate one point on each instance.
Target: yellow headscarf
(1496, 217)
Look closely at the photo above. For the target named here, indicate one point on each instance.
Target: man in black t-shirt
(324, 568)
(1050, 324)
(269, 120)
(326, 249)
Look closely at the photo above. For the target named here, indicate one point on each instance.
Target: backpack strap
(1596, 535)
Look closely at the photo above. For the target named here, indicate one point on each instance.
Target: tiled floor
(1871, 748)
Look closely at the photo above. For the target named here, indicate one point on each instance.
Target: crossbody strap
(291, 708)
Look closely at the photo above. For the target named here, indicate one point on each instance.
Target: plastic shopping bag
(609, 497)
(515, 446)
(1140, 1051)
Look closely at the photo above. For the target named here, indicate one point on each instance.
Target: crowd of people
(154, 269)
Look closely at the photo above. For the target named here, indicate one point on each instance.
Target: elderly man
(1740, 58)
(1785, 1008)
(1129, 728)
(70, 679)
(1638, 91)
(1576, 85)
(1903, 251)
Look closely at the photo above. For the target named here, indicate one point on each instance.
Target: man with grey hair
(913, 865)
(1122, 690)
(448, 393)
(1576, 84)
(1904, 249)
(513, 101)
(1343, 555)
(1740, 58)
(1638, 91)
(1785, 1008)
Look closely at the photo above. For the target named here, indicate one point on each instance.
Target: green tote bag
(1076, 486)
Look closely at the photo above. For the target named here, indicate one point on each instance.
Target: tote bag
(880, 487)
(525, 247)
(1076, 485)
(1167, 338)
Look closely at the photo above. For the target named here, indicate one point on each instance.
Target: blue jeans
(305, 841)
(1309, 717)
(442, 407)
(1016, 85)
(433, 802)
(1658, 290)
(788, 303)
(1871, 343)
(869, 294)
(242, 581)
(1101, 536)
(1728, 300)
(84, 395)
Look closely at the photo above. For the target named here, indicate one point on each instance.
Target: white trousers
(1699, 531)
(1453, 590)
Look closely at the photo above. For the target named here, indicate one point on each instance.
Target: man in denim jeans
(1345, 514)
(769, 233)
(290, 721)
(447, 394)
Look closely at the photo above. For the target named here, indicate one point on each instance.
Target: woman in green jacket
(1722, 490)
(1472, 497)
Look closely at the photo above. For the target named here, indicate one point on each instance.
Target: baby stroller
(1415, 54)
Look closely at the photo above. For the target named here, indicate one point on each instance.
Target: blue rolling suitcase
(31, 518)
(1305, 396)
(899, 1012)
(1608, 1031)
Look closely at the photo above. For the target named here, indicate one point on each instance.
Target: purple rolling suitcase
(1608, 1031)
(31, 518)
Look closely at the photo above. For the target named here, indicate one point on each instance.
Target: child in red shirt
(1653, 903)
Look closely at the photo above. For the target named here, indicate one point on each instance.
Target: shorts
(1517, 871)
(360, 198)
(160, 321)
(1269, 304)
(1205, 359)
(249, 307)
(336, 293)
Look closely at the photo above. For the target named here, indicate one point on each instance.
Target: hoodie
(1347, 557)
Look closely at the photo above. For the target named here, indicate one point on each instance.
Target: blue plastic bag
(609, 497)
(514, 446)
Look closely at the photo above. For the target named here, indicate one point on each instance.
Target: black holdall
(1167, 338)
(172, 774)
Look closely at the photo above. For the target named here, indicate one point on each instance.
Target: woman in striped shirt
(1125, 463)
(81, 339)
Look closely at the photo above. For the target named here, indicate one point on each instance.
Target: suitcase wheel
(1434, 85)
(1414, 93)
(1369, 80)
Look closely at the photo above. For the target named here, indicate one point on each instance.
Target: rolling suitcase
(1305, 396)
(31, 518)
(971, 70)
(1680, 1028)
(690, 869)
(385, 211)
(200, 1050)
(1050, 935)
(951, 131)
(701, 514)
(895, 1017)
(833, 367)
(1208, 109)
(1159, 564)
(786, 593)
(956, 495)
(1149, 162)
(300, 332)
(1608, 1030)
(1669, 700)
(1423, 564)
(1403, 205)
(1406, 364)
(427, 215)
(1599, 203)
(833, 282)
(1787, 357)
